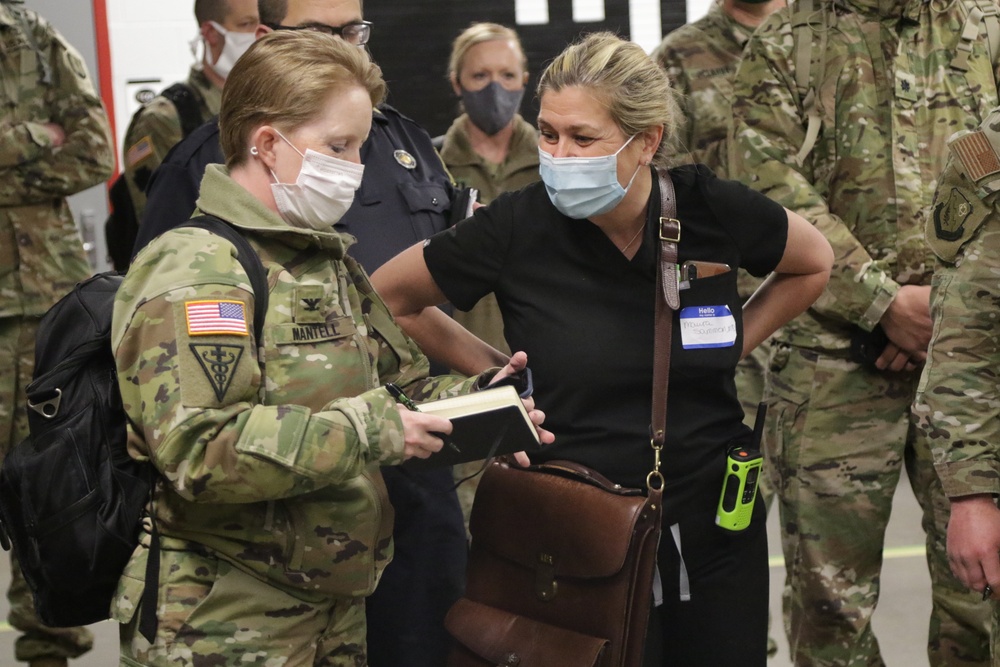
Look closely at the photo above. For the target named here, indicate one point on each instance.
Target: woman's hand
(421, 433)
(517, 363)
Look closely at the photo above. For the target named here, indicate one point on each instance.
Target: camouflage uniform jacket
(268, 450)
(958, 400)
(154, 130)
(889, 98)
(469, 168)
(43, 79)
(701, 58)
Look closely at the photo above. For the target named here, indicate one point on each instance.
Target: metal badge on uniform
(707, 326)
(950, 216)
(216, 317)
(405, 159)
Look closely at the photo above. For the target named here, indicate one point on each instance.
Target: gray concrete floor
(900, 621)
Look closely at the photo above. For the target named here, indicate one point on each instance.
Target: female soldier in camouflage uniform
(272, 514)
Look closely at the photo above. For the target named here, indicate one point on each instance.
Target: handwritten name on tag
(707, 326)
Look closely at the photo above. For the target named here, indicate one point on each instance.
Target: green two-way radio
(739, 487)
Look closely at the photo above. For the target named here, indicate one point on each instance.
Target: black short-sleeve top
(583, 312)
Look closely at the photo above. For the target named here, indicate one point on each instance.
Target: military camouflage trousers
(836, 438)
(212, 613)
(17, 358)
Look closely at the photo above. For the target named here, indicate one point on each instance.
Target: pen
(398, 394)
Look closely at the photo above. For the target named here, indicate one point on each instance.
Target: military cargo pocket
(186, 580)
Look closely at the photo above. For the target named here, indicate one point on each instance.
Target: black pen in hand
(398, 394)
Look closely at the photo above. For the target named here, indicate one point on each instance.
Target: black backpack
(71, 497)
(122, 226)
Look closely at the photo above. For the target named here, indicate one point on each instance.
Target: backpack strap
(809, 68)
(251, 263)
(981, 12)
(247, 257)
(186, 100)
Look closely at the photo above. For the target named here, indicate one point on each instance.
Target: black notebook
(480, 420)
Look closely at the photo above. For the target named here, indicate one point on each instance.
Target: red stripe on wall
(104, 68)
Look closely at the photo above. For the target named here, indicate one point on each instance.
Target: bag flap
(502, 638)
(532, 517)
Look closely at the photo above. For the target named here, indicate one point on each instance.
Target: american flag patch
(139, 151)
(205, 318)
(977, 155)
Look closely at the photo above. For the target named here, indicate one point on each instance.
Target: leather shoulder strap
(667, 301)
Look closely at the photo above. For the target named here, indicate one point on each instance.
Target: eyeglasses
(356, 32)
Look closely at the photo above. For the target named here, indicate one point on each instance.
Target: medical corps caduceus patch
(214, 318)
(950, 215)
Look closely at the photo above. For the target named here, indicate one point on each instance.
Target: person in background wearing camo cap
(958, 399)
(55, 141)
(842, 110)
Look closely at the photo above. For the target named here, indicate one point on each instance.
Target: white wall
(149, 51)
(697, 8)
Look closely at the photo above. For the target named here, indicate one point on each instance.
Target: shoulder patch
(219, 363)
(950, 215)
(977, 155)
(139, 151)
(207, 318)
(956, 215)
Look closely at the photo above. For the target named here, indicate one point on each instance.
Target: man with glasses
(405, 197)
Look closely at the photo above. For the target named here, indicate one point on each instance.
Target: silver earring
(253, 150)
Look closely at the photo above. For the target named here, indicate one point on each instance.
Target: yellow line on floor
(911, 551)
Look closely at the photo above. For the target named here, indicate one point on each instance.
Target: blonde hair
(285, 79)
(477, 33)
(635, 90)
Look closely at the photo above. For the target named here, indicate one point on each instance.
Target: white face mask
(322, 192)
(236, 45)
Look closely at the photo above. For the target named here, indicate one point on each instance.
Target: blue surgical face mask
(582, 187)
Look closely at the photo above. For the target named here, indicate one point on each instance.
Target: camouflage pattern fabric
(43, 79)
(155, 129)
(269, 450)
(838, 433)
(958, 405)
(701, 58)
(214, 613)
(41, 254)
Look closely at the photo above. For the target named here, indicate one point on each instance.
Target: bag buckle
(545, 578)
(48, 408)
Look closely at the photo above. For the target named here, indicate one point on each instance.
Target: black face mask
(491, 108)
